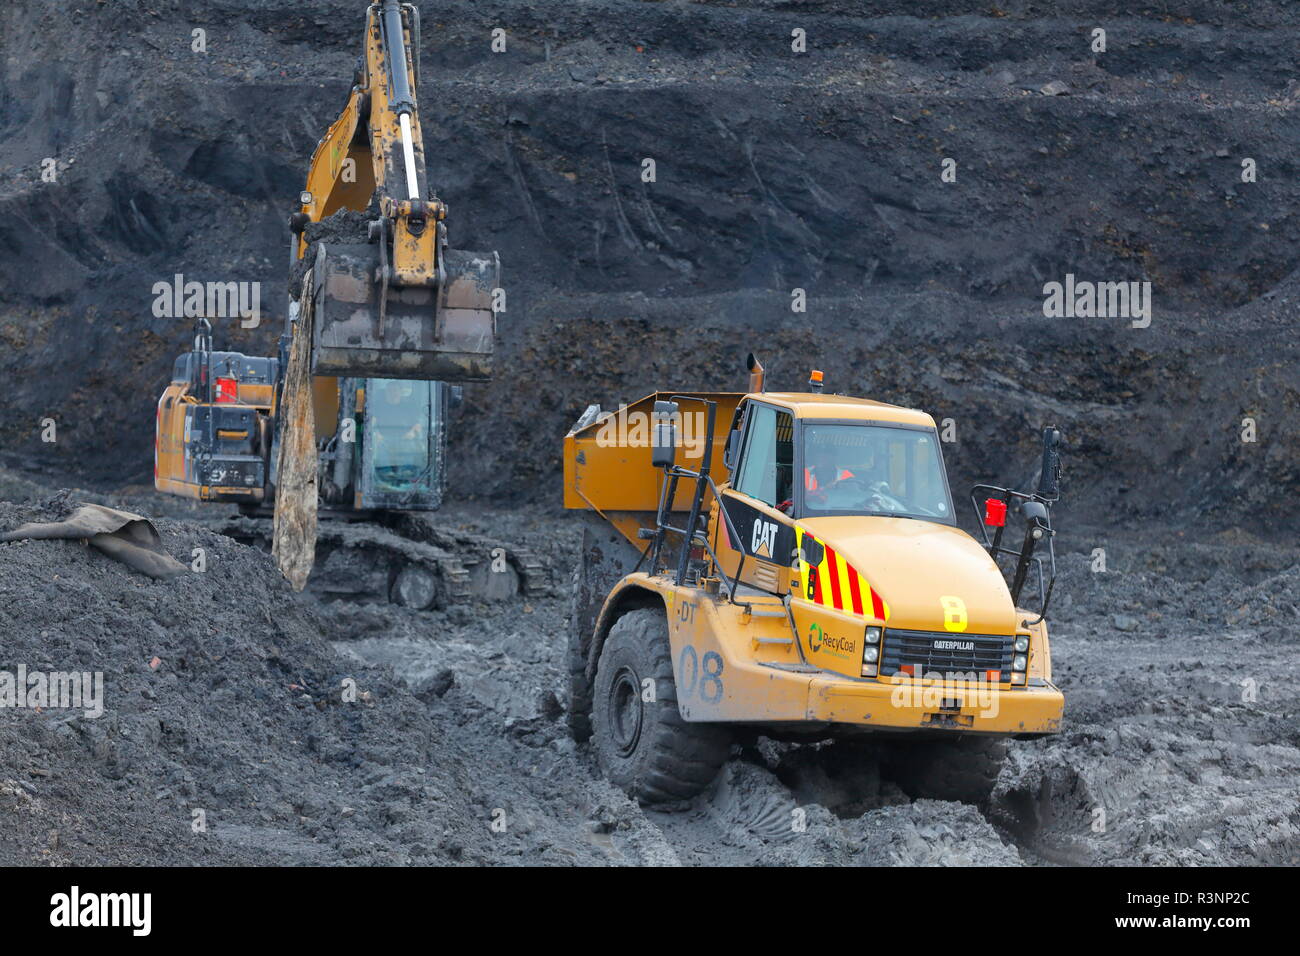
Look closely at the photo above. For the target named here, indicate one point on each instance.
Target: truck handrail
(1026, 554)
(691, 532)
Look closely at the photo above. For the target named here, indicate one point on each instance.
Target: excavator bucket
(367, 326)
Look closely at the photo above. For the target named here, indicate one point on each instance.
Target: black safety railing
(692, 534)
(1036, 509)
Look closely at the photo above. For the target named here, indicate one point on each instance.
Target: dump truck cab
(811, 575)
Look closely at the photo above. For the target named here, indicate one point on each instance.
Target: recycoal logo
(1084, 299)
(64, 690)
(76, 909)
(819, 640)
(213, 300)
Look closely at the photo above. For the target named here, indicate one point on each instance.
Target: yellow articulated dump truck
(799, 573)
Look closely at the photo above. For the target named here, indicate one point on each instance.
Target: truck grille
(967, 653)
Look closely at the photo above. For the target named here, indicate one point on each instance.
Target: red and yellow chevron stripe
(837, 584)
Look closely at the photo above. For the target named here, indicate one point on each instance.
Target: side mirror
(1034, 510)
(1049, 480)
(663, 448)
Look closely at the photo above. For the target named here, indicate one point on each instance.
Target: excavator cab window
(403, 444)
(399, 418)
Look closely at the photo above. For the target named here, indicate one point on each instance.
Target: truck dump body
(607, 466)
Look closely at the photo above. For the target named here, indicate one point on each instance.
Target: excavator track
(521, 570)
(407, 559)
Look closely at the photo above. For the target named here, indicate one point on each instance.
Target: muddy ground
(774, 172)
(1180, 744)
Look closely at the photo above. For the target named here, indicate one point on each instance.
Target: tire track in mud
(1156, 734)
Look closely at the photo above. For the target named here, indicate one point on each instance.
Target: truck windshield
(873, 469)
(399, 418)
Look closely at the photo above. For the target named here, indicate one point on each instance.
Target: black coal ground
(455, 749)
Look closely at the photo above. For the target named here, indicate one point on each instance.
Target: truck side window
(767, 466)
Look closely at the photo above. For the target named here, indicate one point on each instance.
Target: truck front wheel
(642, 743)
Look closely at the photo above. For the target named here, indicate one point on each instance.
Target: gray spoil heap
(225, 735)
(776, 171)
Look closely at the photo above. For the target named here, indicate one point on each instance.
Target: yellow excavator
(385, 318)
(800, 575)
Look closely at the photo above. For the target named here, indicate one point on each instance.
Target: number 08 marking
(707, 681)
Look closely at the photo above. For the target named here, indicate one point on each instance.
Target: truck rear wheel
(645, 746)
(962, 768)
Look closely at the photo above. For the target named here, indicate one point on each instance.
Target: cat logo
(763, 543)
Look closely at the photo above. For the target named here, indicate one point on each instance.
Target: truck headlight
(1022, 644)
(1018, 662)
(871, 652)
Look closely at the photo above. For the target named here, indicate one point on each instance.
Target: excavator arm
(395, 302)
(383, 296)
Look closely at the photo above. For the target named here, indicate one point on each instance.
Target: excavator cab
(382, 443)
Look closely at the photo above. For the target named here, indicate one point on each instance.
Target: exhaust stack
(755, 372)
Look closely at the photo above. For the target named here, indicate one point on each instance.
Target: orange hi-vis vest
(810, 480)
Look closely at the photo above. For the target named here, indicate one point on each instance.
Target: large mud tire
(963, 768)
(646, 747)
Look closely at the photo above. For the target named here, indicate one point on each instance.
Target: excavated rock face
(773, 171)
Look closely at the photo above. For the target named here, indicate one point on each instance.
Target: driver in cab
(826, 470)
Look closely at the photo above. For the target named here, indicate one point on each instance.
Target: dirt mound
(223, 698)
